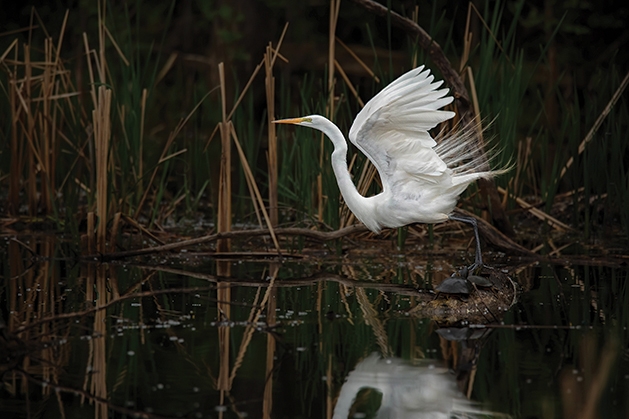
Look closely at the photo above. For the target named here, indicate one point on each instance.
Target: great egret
(421, 180)
(421, 391)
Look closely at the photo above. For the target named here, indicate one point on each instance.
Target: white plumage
(421, 391)
(421, 179)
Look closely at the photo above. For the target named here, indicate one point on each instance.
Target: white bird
(421, 391)
(421, 180)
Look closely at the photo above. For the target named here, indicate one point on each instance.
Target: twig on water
(312, 234)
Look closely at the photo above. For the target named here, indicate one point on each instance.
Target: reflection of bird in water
(421, 180)
(408, 391)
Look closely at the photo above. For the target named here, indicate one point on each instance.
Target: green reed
(164, 160)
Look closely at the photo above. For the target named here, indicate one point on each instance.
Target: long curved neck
(357, 203)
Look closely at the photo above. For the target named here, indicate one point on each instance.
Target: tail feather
(468, 178)
(464, 154)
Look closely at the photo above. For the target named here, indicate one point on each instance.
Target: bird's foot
(454, 285)
(467, 271)
(472, 274)
(474, 269)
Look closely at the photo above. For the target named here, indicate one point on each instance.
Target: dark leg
(478, 262)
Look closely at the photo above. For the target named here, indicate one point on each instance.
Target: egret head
(322, 124)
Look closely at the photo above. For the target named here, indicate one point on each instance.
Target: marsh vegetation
(167, 251)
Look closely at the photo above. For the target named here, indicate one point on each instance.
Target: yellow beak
(290, 121)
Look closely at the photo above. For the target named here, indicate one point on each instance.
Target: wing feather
(392, 129)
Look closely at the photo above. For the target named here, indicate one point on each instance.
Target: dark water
(195, 337)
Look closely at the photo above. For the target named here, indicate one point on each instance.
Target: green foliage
(536, 80)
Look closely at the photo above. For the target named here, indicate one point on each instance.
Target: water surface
(190, 335)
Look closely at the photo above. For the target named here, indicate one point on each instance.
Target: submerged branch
(490, 233)
(305, 232)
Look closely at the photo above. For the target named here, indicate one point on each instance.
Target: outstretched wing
(392, 129)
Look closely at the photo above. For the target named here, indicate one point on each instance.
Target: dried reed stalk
(256, 197)
(46, 132)
(597, 124)
(102, 131)
(32, 154)
(358, 60)
(467, 40)
(223, 293)
(225, 185)
(141, 139)
(334, 14)
(89, 270)
(269, 84)
(102, 30)
(16, 155)
(101, 117)
(478, 124)
(227, 129)
(552, 221)
(89, 54)
(33, 89)
(114, 232)
(349, 85)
